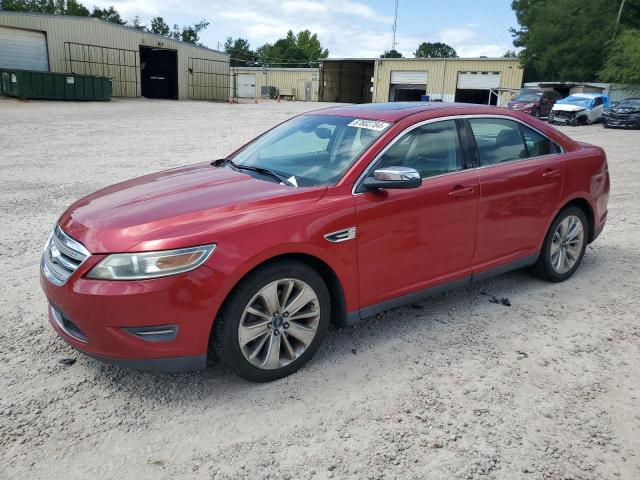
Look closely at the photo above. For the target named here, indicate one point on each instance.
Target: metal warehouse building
(469, 80)
(267, 82)
(139, 63)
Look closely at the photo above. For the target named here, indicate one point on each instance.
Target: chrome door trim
(367, 170)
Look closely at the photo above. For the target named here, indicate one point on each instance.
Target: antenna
(394, 27)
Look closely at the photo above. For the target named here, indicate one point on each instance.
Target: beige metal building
(139, 63)
(467, 80)
(295, 83)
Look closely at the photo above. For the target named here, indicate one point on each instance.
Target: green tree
(240, 52)
(189, 33)
(137, 24)
(435, 50)
(510, 54)
(109, 14)
(391, 54)
(159, 27)
(568, 39)
(622, 64)
(302, 50)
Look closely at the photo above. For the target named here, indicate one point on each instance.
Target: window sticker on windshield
(369, 124)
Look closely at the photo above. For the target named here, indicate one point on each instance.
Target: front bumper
(621, 122)
(104, 318)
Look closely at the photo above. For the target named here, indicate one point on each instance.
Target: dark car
(625, 114)
(534, 102)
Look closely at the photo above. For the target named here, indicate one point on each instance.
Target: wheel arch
(584, 205)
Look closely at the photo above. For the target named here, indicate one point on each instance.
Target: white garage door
(408, 77)
(246, 85)
(478, 80)
(23, 49)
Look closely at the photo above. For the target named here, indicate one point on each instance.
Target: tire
(548, 261)
(247, 313)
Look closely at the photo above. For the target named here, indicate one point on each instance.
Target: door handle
(460, 191)
(551, 173)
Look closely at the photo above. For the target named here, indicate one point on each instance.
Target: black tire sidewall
(226, 327)
(545, 255)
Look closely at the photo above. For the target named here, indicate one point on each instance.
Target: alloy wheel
(567, 243)
(279, 323)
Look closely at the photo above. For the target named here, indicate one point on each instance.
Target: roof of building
(111, 24)
(371, 59)
(277, 69)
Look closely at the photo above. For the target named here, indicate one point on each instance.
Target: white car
(579, 109)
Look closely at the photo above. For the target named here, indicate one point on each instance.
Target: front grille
(563, 114)
(61, 257)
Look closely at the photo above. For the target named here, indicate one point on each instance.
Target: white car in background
(579, 109)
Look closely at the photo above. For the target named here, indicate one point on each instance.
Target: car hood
(567, 107)
(519, 104)
(145, 209)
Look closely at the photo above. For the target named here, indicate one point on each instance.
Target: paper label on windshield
(376, 125)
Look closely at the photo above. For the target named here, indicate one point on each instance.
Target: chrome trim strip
(341, 235)
(367, 170)
(61, 257)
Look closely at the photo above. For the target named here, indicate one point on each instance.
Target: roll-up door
(478, 80)
(23, 49)
(408, 77)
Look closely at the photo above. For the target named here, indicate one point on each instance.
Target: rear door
(520, 174)
(411, 240)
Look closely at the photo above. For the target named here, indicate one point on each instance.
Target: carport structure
(139, 63)
(467, 80)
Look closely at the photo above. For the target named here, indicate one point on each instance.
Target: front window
(531, 97)
(633, 103)
(579, 101)
(311, 150)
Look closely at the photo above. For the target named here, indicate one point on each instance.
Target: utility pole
(395, 27)
(615, 28)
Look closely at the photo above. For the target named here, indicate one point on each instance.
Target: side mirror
(393, 178)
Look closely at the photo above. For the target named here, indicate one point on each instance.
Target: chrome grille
(61, 257)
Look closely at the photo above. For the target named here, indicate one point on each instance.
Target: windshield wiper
(262, 170)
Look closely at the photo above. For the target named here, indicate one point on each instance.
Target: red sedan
(330, 217)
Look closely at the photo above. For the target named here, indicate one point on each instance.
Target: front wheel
(564, 246)
(273, 322)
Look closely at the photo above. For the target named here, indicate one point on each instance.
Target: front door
(307, 91)
(520, 178)
(411, 240)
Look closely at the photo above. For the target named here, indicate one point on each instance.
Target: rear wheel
(563, 246)
(273, 322)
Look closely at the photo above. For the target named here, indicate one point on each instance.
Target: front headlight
(141, 266)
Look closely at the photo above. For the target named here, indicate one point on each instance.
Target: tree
(391, 54)
(240, 52)
(137, 24)
(109, 14)
(510, 54)
(623, 62)
(159, 27)
(568, 39)
(435, 50)
(56, 7)
(189, 33)
(301, 50)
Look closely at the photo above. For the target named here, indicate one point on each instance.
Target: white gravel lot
(452, 387)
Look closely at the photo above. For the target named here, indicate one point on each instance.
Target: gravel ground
(452, 387)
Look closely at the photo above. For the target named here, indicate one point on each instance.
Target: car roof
(587, 95)
(395, 111)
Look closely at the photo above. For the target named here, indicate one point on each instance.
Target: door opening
(159, 72)
(479, 96)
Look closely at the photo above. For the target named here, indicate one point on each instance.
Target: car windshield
(528, 97)
(630, 103)
(580, 101)
(311, 150)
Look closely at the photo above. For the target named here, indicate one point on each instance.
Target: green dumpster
(54, 86)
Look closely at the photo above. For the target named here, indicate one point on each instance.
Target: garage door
(23, 49)
(246, 85)
(478, 80)
(408, 77)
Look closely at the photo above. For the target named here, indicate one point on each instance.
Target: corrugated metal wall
(285, 79)
(443, 74)
(94, 47)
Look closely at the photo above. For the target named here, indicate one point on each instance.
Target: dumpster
(54, 86)
(424, 98)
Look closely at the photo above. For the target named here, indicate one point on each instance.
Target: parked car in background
(624, 114)
(579, 109)
(330, 217)
(535, 102)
